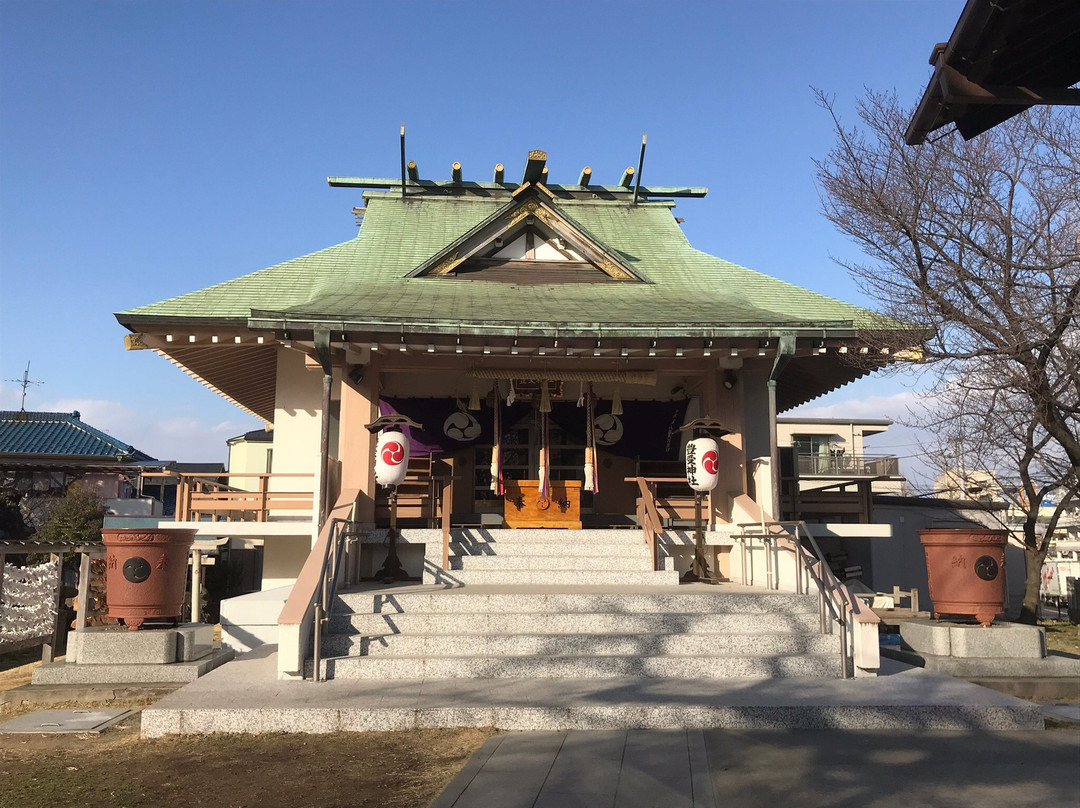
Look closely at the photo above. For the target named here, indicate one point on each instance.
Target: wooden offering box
(523, 506)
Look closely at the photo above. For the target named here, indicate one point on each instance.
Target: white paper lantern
(391, 458)
(702, 464)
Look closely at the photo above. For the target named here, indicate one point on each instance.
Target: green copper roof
(366, 276)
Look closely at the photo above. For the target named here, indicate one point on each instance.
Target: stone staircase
(571, 605)
(549, 557)
(552, 632)
(577, 643)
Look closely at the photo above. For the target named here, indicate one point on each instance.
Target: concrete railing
(297, 619)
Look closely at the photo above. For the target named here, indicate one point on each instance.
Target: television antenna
(24, 382)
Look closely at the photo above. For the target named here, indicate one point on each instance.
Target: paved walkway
(662, 768)
(771, 768)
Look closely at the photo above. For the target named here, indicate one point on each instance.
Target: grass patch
(1062, 636)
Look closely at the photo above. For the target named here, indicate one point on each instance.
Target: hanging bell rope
(496, 449)
(590, 443)
(474, 397)
(616, 402)
(545, 397)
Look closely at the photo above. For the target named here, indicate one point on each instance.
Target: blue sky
(150, 149)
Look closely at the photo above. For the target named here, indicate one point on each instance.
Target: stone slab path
(753, 768)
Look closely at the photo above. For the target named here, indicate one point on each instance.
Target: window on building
(811, 444)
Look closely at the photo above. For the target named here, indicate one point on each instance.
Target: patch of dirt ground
(118, 769)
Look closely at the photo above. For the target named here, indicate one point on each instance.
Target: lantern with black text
(391, 458)
(702, 463)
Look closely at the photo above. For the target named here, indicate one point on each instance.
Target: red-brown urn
(146, 572)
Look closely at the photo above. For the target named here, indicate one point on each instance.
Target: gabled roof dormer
(530, 240)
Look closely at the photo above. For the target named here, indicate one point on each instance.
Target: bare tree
(974, 252)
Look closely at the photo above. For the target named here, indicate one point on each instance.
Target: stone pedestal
(966, 641)
(113, 655)
(114, 645)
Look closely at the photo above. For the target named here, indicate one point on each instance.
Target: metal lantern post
(702, 467)
(394, 443)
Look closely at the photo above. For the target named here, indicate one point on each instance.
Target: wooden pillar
(356, 445)
(727, 407)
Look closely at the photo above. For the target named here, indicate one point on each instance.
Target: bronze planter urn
(965, 568)
(146, 572)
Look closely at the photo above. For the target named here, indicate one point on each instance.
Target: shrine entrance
(541, 453)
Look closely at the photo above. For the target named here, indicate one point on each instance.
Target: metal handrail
(837, 464)
(327, 588)
(826, 582)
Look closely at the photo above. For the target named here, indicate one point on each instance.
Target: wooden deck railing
(230, 497)
(653, 509)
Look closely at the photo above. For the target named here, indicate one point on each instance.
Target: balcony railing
(236, 497)
(836, 464)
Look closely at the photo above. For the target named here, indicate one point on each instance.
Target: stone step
(583, 667)
(650, 645)
(242, 698)
(630, 536)
(526, 563)
(565, 600)
(550, 549)
(547, 576)
(570, 623)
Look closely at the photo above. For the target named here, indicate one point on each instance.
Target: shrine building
(550, 340)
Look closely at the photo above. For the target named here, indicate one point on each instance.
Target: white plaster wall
(283, 557)
(296, 421)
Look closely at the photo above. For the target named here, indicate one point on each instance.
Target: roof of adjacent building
(837, 421)
(254, 436)
(1003, 57)
(59, 434)
(366, 279)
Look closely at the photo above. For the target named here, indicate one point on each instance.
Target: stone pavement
(662, 768)
(788, 768)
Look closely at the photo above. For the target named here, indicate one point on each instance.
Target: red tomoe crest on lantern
(393, 453)
(710, 461)
(391, 458)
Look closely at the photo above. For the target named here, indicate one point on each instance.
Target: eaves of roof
(1003, 57)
